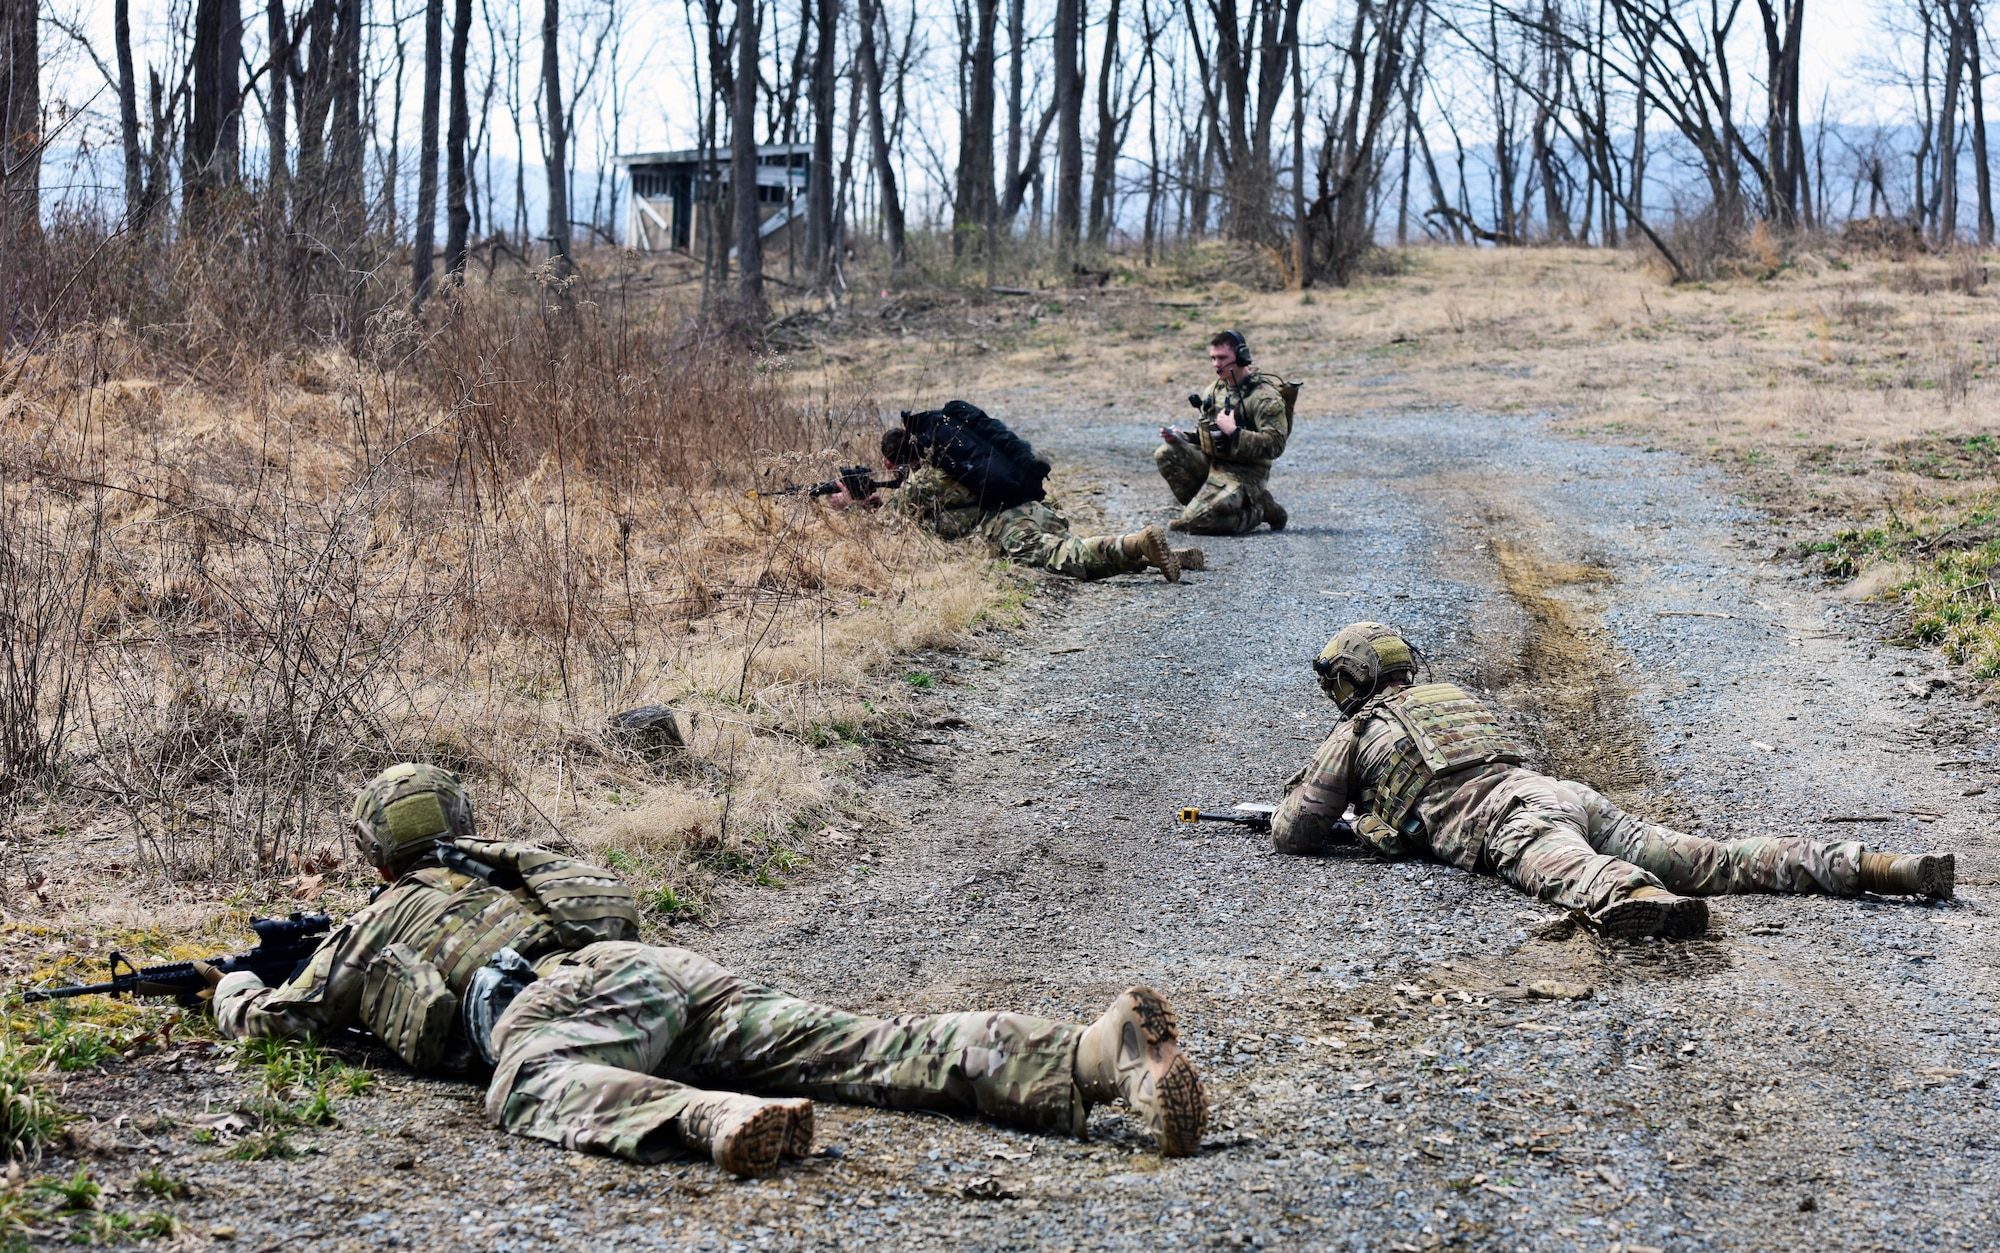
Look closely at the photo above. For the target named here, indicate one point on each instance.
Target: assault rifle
(1256, 817)
(860, 482)
(283, 945)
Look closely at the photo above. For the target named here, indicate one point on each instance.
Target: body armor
(1445, 731)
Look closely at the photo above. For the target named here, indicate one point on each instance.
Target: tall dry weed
(469, 541)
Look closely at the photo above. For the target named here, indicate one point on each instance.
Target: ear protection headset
(1240, 345)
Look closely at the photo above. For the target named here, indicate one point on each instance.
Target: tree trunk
(1968, 18)
(878, 136)
(204, 119)
(743, 165)
(1017, 104)
(974, 203)
(277, 177)
(1069, 128)
(1110, 136)
(556, 138)
(345, 140)
(20, 144)
(458, 132)
(229, 133)
(819, 190)
(424, 232)
(128, 109)
(1947, 160)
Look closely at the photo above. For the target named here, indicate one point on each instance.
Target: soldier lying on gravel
(964, 474)
(1430, 771)
(503, 952)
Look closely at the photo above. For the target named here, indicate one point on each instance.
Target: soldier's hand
(839, 499)
(1227, 422)
(210, 975)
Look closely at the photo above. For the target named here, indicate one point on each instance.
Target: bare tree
(973, 204)
(128, 110)
(555, 138)
(1070, 18)
(458, 214)
(743, 165)
(1243, 76)
(878, 135)
(424, 239)
(819, 187)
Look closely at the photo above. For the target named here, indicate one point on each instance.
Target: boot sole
(1181, 1113)
(1675, 918)
(1162, 556)
(1937, 876)
(755, 1145)
(799, 1135)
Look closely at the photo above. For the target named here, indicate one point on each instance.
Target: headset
(1241, 346)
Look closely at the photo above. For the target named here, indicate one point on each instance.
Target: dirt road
(1814, 1075)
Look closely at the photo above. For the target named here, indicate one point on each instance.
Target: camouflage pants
(1221, 498)
(611, 1045)
(1036, 535)
(1565, 843)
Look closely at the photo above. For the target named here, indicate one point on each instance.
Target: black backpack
(978, 451)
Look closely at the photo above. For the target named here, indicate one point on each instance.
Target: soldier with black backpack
(965, 471)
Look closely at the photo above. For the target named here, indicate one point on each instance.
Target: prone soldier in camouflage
(642, 1051)
(1030, 534)
(1430, 771)
(1221, 477)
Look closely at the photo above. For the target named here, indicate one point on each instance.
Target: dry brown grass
(469, 542)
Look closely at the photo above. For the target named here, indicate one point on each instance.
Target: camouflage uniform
(1222, 481)
(598, 1053)
(1560, 841)
(1032, 534)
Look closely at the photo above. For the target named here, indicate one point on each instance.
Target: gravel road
(1815, 1074)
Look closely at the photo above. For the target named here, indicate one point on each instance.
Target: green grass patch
(1951, 554)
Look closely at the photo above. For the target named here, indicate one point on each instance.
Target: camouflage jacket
(944, 504)
(326, 995)
(1457, 811)
(1261, 422)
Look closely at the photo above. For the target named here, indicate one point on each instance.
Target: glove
(209, 973)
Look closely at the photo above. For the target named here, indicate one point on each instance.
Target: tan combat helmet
(406, 810)
(1356, 662)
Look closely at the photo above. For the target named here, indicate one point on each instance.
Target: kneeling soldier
(620, 1047)
(1429, 771)
(1221, 475)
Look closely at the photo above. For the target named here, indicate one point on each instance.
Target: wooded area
(1135, 126)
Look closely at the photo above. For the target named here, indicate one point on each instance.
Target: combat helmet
(1356, 662)
(407, 809)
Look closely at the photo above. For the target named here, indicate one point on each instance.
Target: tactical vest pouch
(1445, 731)
(1288, 391)
(407, 1004)
(480, 921)
(583, 904)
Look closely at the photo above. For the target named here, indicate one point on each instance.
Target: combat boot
(1191, 558)
(745, 1135)
(1909, 874)
(1274, 513)
(1131, 1054)
(1652, 911)
(1151, 544)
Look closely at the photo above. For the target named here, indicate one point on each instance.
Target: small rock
(651, 728)
(987, 1188)
(1554, 930)
(1807, 1204)
(222, 1232)
(1558, 990)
